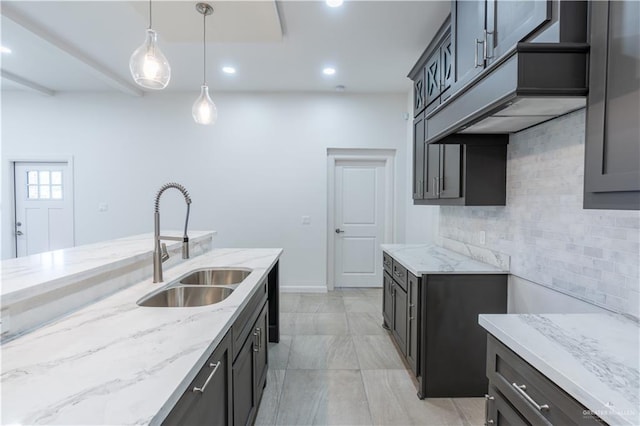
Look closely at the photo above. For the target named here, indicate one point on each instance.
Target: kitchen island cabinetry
(208, 398)
(433, 319)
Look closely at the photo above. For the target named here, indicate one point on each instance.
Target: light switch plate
(103, 207)
(306, 220)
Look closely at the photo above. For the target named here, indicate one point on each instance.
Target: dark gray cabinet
(207, 401)
(412, 322)
(419, 100)
(418, 157)
(612, 145)
(520, 394)
(483, 31)
(400, 317)
(387, 300)
(472, 172)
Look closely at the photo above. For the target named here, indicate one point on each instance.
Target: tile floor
(336, 365)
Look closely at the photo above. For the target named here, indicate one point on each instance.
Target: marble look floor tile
(320, 303)
(268, 411)
(289, 302)
(279, 353)
(365, 323)
(309, 324)
(472, 410)
(362, 304)
(323, 352)
(393, 401)
(323, 397)
(377, 353)
(359, 291)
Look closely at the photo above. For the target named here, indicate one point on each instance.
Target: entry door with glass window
(44, 207)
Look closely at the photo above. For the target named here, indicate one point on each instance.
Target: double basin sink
(199, 288)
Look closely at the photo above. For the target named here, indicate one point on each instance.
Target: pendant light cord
(204, 47)
(150, 14)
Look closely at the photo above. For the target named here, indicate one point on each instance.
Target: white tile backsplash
(589, 254)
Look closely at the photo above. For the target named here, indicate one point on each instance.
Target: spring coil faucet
(160, 253)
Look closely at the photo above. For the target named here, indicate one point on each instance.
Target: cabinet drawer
(244, 323)
(387, 263)
(499, 412)
(531, 393)
(400, 275)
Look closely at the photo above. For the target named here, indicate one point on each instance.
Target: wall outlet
(306, 220)
(103, 207)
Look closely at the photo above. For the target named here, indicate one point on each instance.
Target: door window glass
(44, 185)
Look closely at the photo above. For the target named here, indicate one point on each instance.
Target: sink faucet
(160, 253)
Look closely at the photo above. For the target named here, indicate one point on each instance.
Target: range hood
(532, 83)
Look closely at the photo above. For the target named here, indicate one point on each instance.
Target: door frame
(334, 155)
(11, 162)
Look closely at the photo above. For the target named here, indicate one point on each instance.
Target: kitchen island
(114, 362)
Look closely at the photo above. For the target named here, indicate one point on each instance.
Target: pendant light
(149, 67)
(204, 110)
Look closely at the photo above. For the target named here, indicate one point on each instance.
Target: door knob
(18, 233)
(339, 231)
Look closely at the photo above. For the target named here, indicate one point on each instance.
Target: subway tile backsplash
(589, 254)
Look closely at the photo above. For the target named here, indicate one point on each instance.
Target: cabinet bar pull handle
(435, 190)
(475, 63)
(485, 49)
(487, 399)
(256, 340)
(259, 330)
(202, 389)
(521, 389)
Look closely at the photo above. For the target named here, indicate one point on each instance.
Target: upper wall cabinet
(612, 146)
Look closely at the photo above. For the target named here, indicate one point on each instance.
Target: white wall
(251, 176)
(592, 255)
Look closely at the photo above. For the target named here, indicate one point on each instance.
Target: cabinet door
(467, 26)
(446, 69)
(260, 357)
(432, 71)
(413, 323)
(400, 317)
(450, 171)
(418, 157)
(208, 398)
(387, 300)
(419, 93)
(244, 393)
(509, 22)
(432, 172)
(612, 150)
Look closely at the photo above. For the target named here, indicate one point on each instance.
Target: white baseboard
(303, 289)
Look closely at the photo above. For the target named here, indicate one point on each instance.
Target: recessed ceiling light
(334, 3)
(329, 71)
(229, 70)
(5, 49)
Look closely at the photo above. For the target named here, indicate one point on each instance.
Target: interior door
(43, 207)
(359, 218)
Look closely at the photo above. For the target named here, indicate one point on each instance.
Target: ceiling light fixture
(334, 3)
(149, 67)
(204, 110)
(329, 71)
(229, 70)
(4, 49)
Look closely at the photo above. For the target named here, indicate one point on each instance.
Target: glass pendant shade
(149, 67)
(204, 110)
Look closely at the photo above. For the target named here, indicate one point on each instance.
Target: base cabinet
(521, 395)
(433, 320)
(207, 401)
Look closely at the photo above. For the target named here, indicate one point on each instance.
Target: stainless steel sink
(185, 296)
(214, 276)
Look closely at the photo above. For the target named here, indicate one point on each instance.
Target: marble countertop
(432, 259)
(593, 357)
(114, 362)
(30, 276)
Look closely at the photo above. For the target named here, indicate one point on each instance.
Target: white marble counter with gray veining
(593, 357)
(30, 276)
(432, 259)
(114, 362)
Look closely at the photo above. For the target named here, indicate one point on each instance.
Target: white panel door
(359, 222)
(43, 206)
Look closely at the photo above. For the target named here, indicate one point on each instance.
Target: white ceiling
(275, 46)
